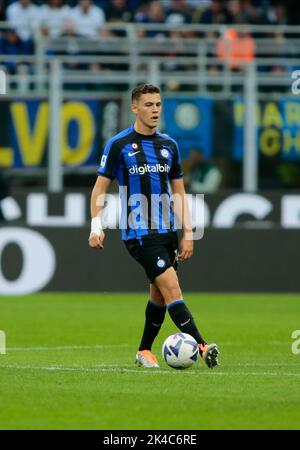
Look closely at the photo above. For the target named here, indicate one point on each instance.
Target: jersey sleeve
(110, 160)
(175, 171)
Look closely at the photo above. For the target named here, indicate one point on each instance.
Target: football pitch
(69, 364)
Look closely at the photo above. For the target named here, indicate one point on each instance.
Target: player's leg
(155, 309)
(169, 287)
(155, 314)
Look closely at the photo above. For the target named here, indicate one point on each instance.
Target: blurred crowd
(86, 18)
(24, 12)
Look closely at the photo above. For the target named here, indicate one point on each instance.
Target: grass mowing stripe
(57, 377)
(110, 368)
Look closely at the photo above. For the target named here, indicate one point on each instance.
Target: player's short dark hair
(144, 89)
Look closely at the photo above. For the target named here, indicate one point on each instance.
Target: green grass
(69, 365)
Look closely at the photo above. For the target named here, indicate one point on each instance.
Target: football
(180, 351)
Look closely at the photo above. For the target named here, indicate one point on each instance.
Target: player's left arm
(182, 212)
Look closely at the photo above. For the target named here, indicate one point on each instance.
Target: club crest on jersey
(134, 145)
(164, 152)
(161, 263)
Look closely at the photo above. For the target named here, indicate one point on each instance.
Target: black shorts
(155, 252)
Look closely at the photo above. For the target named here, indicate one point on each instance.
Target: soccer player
(145, 163)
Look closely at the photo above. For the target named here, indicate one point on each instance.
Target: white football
(180, 351)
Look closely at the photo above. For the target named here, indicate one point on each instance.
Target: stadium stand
(123, 36)
(187, 47)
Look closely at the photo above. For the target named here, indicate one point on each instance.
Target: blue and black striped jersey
(143, 166)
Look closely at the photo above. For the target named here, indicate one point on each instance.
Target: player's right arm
(97, 204)
(107, 172)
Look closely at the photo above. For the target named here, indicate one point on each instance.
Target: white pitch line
(115, 369)
(264, 364)
(65, 347)
(103, 368)
(98, 346)
(241, 344)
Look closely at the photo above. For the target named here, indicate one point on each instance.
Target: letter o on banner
(39, 261)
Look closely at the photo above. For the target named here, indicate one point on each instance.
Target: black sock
(183, 319)
(155, 315)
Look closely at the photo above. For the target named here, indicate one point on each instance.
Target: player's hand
(186, 249)
(96, 241)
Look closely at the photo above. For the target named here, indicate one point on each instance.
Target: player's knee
(174, 293)
(170, 289)
(156, 295)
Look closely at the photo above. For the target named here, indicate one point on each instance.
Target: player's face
(148, 109)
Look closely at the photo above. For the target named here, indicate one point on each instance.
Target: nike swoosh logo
(131, 154)
(184, 323)
(156, 324)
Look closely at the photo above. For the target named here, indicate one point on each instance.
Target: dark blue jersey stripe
(137, 220)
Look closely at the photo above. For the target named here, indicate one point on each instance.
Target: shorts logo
(103, 160)
(161, 263)
(134, 146)
(164, 152)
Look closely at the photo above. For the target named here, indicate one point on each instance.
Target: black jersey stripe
(145, 186)
(123, 179)
(164, 187)
(126, 184)
(163, 215)
(175, 171)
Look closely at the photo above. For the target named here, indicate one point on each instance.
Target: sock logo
(184, 323)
